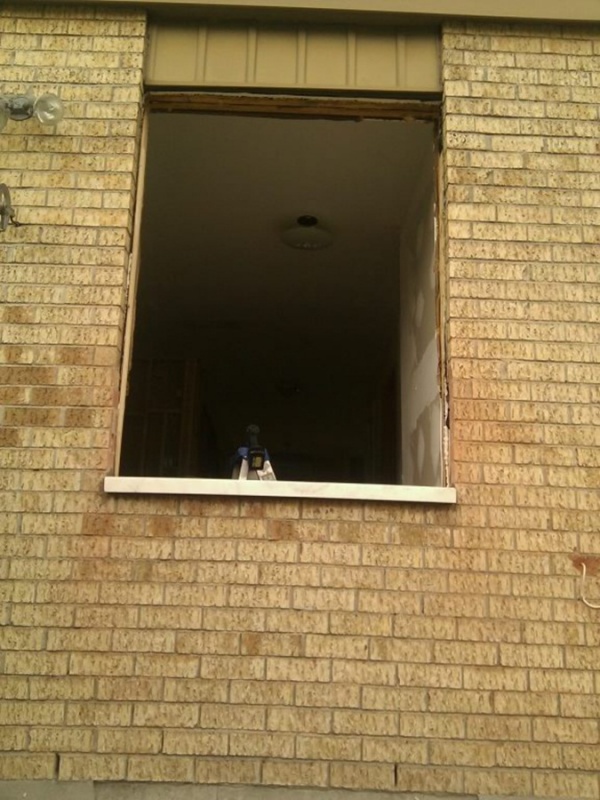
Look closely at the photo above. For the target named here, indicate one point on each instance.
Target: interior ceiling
(216, 280)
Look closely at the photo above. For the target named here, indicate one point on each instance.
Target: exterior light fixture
(8, 215)
(307, 234)
(48, 108)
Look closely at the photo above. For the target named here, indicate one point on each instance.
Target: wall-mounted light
(48, 108)
(307, 234)
(8, 215)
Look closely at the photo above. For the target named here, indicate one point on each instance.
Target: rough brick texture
(347, 645)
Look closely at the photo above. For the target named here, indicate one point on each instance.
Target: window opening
(329, 343)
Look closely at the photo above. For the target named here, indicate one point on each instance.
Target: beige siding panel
(277, 57)
(307, 57)
(421, 61)
(327, 59)
(226, 55)
(377, 57)
(175, 59)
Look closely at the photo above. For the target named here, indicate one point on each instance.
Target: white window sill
(298, 489)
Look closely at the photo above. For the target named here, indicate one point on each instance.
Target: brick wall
(363, 646)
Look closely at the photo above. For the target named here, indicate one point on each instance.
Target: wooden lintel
(323, 107)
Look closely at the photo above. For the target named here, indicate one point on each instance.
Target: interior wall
(420, 396)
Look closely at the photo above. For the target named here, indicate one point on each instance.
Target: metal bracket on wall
(8, 216)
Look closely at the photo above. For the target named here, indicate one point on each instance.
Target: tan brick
(100, 664)
(268, 745)
(529, 755)
(327, 695)
(530, 703)
(221, 715)
(305, 773)
(75, 740)
(228, 770)
(298, 669)
(167, 664)
(92, 767)
(13, 738)
(378, 674)
(565, 730)
(27, 766)
(574, 784)
(117, 688)
(299, 719)
(241, 668)
(98, 714)
(180, 690)
(165, 715)
(143, 641)
(499, 781)
(160, 768)
(185, 742)
(363, 776)
(328, 748)
(373, 723)
(129, 740)
(395, 750)
(294, 621)
(272, 644)
(336, 646)
(353, 623)
(384, 698)
(14, 688)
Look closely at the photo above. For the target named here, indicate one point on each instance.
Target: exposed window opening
(331, 349)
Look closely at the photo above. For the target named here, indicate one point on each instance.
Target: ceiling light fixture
(307, 234)
(48, 108)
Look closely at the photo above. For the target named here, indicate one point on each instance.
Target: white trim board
(293, 489)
